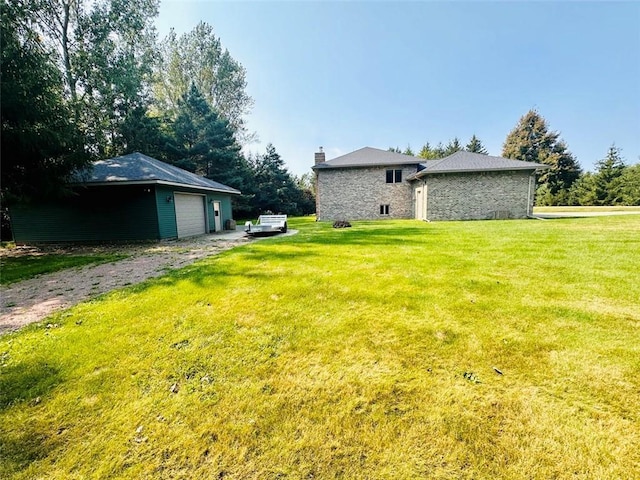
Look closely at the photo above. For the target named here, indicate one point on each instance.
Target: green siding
(96, 214)
(225, 209)
(110, 213)
(166, 212)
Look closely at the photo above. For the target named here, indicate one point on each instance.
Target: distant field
(585, 209)
(390, 350)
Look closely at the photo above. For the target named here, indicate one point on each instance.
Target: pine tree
(630, 181)
(452, 147)
(583, 191)
(426, 152)
(608, 185)
(408, 151)
(204, 143)
(475, 146)
(275, 188)
(531, 141)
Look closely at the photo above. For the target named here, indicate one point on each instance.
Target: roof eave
(155, 182)
(363, 165)
(424, 173)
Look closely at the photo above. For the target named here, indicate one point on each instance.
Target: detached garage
(128, 198)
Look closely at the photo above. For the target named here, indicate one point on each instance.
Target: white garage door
(190, 215)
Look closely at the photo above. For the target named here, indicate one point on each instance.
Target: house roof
(137, 168)
(463, 161)
(367, 157)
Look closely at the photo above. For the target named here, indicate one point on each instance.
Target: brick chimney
(319, 156)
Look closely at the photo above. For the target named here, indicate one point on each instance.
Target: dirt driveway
(34, 299)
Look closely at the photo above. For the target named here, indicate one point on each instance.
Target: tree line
(565, 183)
(430, 152)
(84, 80)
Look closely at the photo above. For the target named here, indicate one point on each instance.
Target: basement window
(384, 209)
(394, 176)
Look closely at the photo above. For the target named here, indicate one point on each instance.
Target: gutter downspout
(532, 179)
(426, 202)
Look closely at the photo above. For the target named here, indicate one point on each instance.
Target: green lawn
(363, 353)
(579, 209)
(15, 269)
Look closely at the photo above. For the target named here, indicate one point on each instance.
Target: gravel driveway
(34, 299)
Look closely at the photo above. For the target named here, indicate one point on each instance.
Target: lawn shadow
(27, 382)
(374, 234)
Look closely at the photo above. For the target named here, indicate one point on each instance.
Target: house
(128, 198)
(373, 184)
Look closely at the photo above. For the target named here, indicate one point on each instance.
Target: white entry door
(421, 203)
(191, 217)
(216, 216)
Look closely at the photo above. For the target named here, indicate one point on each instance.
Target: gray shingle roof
(142, 169)
(368, 156)
(473, 162)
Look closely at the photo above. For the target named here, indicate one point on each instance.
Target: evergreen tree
(531, 141)
(426, 152)
(275, 189)
(583, 191)
(452, 147)
(608, 185)
(394, 149)
(408, 151)
(439, 151)
(475, 146)
(205, 144)
(630, 185)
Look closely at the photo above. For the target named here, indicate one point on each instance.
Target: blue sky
(346, 75)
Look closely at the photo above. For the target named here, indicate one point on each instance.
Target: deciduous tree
(40, 146)
(106, 51)
(198, 57)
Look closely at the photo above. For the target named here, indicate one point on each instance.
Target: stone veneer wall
(479, 195)
(357, 193)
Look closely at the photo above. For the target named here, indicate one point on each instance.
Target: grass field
(579, 209)
(390, 350)
(15, 269)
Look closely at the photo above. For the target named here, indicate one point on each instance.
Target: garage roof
(137, 168)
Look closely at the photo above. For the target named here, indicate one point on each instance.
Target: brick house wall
(358, 193)
(478, 195)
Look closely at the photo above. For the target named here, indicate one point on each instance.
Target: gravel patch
(34, 299)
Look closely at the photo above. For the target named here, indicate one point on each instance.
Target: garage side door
(190, 215)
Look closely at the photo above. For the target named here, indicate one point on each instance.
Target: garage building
(129, 198)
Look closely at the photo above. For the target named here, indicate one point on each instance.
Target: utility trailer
(267, 225)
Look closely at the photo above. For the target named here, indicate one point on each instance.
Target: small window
(394, 176)
(389, 176)
(384, 209)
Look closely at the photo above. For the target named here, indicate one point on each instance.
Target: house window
(384, 209)
(394, 176)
